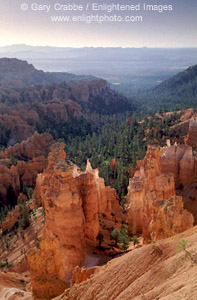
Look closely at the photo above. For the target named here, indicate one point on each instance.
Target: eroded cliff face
(31, 155)
(191, 138)
(74, 202)
(155, 194)
(35, 146)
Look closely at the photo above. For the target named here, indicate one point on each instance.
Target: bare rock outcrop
(13, 287)
(36, 145)
(82, 90)
(191, 138)
(9, 185)
(19, 129)
(82, 274)
(74, 202)
(32, 159)
(154, 209)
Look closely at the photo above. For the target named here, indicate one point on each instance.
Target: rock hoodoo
(74, 202)
(191, 138)
(30, 159)
(156, 197)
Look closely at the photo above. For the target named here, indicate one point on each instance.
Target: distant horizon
(104, 47)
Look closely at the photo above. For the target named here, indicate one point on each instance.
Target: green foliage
(13, 160)
(5, 264)
(125, 239)
(37, 243)
(122, 138)
(25, 219)
(4, 135)
(135, 240)
(4, 212)
(121, 238)
(7, 244)
(116, 236)
(30, 192)
(182, 245)
(44, 214)
(2, 215)
(177, 93)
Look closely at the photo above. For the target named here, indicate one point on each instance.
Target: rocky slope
(13, 287)
(15, 243)
(75, 204)
(148, 273)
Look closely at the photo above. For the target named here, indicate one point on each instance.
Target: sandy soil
(148, 273)
(13, 287)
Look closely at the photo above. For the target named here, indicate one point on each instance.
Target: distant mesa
(18, 73)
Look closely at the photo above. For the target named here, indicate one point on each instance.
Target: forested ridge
(176, 93)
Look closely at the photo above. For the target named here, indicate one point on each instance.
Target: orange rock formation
(36, 145)
(73, 201)
(154, 209)
(191, 138)
(32, 152)
(82, 274)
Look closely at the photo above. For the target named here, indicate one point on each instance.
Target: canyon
(71, 208)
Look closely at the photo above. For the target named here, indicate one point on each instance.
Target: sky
(34, 26)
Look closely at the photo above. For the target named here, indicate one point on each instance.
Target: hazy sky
(176, 28)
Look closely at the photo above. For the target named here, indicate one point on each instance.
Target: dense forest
(115, 149)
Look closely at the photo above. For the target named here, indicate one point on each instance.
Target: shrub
(125, 237)
(135, 240)
(24, 220)
(100, 238)
(121, 237)
(116, 236)
(13, 160)
(182, 247)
